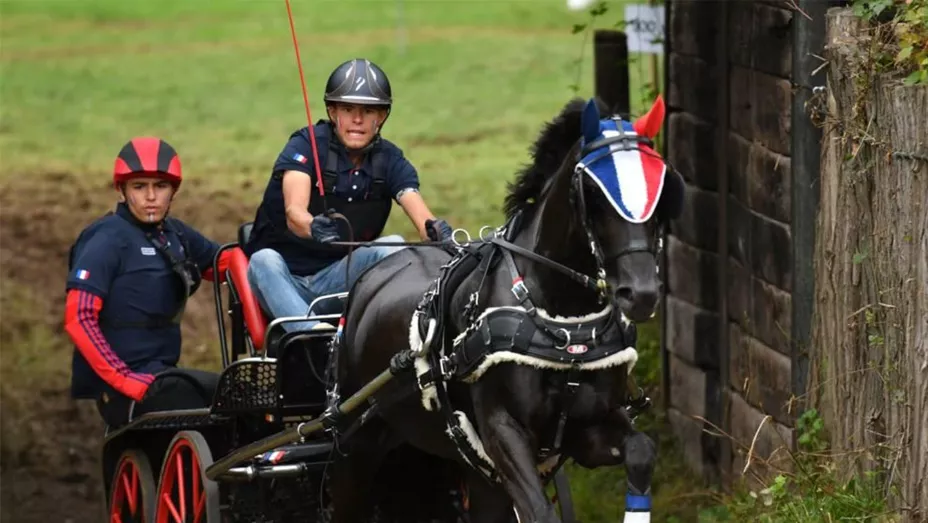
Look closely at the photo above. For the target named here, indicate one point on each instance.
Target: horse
(523, 338)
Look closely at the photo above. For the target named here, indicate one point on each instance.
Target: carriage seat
(244, 232)
(328, 305)
(255, 320)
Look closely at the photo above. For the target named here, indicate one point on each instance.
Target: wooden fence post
(610, 59)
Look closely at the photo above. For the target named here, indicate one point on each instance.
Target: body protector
(367, 215)
(188, 276)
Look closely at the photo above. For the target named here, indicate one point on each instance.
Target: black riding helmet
(359, 81)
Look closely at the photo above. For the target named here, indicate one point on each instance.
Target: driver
(291, 260)
(130, 274)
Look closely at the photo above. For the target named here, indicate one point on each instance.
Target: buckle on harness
(519, 290)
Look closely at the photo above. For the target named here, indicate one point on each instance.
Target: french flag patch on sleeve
(83, 274)
(300, 158)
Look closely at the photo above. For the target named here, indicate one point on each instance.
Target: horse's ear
(589, 122)
(650, 124)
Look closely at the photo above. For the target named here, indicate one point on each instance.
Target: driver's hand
(438, 230)
(324, 229)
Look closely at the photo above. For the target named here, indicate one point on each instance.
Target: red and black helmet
(147, 156)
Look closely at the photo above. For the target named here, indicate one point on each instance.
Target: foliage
(651, 85)
(901, 28)
(812, 492)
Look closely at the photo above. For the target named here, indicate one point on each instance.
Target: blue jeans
(282, 294)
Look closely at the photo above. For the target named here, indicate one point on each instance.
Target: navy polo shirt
(115, 261)
(352, 183)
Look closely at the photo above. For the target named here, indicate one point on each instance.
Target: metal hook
(482, 236)
(566, 343)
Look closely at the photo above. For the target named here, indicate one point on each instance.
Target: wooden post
(870, 310)
(610, 57)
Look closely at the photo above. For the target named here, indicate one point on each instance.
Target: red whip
(309, 118)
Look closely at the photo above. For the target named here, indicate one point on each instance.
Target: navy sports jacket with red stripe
(123, 301)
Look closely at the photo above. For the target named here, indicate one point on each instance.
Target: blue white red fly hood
(630, 174)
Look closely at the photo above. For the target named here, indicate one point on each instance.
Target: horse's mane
(556, 139)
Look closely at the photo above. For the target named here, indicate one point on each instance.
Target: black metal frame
(241, 341)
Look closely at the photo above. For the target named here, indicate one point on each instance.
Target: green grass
(473, 83)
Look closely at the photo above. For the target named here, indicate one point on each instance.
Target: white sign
(644, 25)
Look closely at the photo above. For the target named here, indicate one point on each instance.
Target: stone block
(693, 85)
(693, 333)
(760, 108)
(690, 149)
(760, 374)
(760, 309)
(769, 455)
(760, 243)
(689, 434)
(692, 28)
(698, 224)
(687, 387)
(759, 178)
(760, 37)
(692, 274)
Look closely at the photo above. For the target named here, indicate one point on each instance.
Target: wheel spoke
(201, 504)
(132, 490)
(166, 501)
(181, 494)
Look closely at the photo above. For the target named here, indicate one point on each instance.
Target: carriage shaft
(292, 435)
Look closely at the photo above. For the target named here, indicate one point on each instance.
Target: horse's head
(624, 192)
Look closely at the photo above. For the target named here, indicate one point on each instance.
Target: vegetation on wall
(900, 36)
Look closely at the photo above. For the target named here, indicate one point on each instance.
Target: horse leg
(507, 444)
(487, 503)
(351, 477)
(640, 456)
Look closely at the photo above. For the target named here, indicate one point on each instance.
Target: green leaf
(578, 28)
(915, 78)
(904, 53)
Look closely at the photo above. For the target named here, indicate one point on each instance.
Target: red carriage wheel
(185, 495)
(132, 489)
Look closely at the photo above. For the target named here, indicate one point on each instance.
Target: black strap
(378, 164)
(188, 272)
(330, 173)
(628, 142)
(583, 279)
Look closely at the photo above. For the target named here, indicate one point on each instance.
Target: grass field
(473, 82)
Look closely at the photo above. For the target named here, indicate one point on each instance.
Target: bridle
(597, 283)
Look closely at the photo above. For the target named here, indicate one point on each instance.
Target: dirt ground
(49, 444)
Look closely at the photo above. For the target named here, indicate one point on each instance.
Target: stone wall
(727, 312)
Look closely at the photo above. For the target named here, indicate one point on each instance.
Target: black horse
(526, 351)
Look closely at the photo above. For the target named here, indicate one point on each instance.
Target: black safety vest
(188, 274)
(368, 216)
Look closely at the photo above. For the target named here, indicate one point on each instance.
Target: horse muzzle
(638, 288)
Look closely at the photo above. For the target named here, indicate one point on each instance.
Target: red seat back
(255, 320)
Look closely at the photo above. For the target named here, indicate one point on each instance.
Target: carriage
(155, 468)
(290, 422)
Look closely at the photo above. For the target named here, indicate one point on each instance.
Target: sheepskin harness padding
(521, 334)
